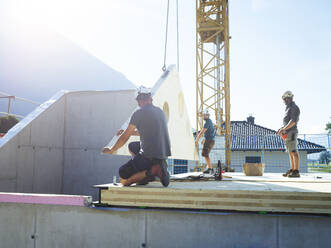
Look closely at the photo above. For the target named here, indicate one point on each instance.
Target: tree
(328, 127)
(325, 157)
(7, 122)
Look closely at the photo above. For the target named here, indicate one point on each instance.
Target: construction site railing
(11, 98)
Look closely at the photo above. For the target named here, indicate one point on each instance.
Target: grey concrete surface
(83, 169)
(91, 120)
(17, 224)
(305, 232)
(30, 154)
(27, 225)
(56, 149)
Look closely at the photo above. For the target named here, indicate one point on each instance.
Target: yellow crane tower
(212, 67)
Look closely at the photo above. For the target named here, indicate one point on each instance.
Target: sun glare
(59, 15)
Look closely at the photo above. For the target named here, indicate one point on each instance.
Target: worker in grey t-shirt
(150, 159)
(289, 132)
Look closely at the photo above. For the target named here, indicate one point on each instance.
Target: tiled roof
(251, 137)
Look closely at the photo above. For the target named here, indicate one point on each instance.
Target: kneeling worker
(150, 123)
(208, 143)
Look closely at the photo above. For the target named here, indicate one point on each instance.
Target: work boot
(146, 180)
(161, 171)
(294, 173)
(287, 173)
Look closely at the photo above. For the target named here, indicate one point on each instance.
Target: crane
(213, 67)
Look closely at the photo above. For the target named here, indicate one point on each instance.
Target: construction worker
(289, 132)
(149, 160)
(208, 142)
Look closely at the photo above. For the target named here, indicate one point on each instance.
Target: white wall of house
(275, 161)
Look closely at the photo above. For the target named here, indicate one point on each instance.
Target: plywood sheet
(168, 95)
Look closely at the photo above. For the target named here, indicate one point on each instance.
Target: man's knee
(205, 153)
(125, 182)
(294, 153)
(133, 166)
(125, 172)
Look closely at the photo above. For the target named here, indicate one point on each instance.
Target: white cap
(143, 90)
(143, 93)
(287, 94)
(205, 112)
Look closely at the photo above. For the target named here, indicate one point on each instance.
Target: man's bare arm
(200, 134)
(135, 132)
(121, 140)
(290, 124)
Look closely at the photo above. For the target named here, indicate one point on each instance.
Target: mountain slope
(35, 63)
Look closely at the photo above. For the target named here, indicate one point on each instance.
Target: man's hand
(281, 131)
(203, 141)
(289, 125)
(119, 132)
(121, 140)
(107, 150)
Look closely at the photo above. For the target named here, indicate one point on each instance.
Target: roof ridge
(242, 131)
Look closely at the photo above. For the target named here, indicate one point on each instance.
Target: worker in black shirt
(150, 159)
(290, 133)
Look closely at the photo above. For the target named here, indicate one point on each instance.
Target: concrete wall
(31, 154)
(56, 149)
(92, 119)
(26, 225)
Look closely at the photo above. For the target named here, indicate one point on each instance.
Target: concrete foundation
(28, 225)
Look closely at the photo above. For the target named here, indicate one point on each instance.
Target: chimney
(250, 119)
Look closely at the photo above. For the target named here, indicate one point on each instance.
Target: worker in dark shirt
(208, 143)
(150, 159)
(289, 132)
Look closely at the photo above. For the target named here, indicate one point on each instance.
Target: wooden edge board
(225, 206)
(204, 195)
(317, 202)
(237, 208)
(206, 204)
(139, 190)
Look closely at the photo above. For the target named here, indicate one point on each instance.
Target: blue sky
(275, 46)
